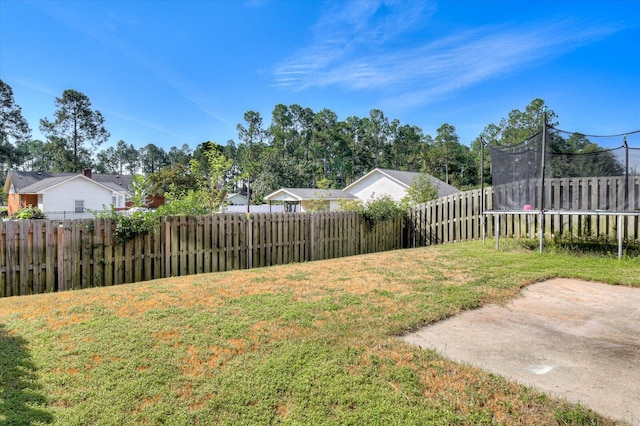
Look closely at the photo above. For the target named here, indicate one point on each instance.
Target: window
(113, 201)
(79, 206)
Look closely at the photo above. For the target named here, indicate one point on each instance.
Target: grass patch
(588, 245)
(297, 344)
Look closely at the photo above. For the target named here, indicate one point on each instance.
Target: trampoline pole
(620, 232)
(483, 228)
(482, 188)
(540, 226)
(497, 218)
(626, 175)
(542, 171)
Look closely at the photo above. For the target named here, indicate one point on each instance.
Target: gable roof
(115, 182)
(301, 194)
(34, 182)
(406, 179)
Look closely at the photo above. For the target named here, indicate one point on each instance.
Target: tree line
(297, 148)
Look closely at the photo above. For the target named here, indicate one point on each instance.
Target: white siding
(59, 201)
(283, 196)
(237, 200)
(261, 208)
(378, 185)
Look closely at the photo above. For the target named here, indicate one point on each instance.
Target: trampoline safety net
(581, 173)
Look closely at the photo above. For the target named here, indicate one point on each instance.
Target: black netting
(582, 173)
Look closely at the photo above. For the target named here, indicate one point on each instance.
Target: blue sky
(174, 72)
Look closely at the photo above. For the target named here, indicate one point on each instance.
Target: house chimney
(87, 172)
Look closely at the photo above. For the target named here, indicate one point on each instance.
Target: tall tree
(13, 126)
(152, 158)
(108, 161)
(341, 157)
(130, 158)
(377, 127)
(281, 130)
(324, 136)
(180, 155)
(405, 148)
(176, 178)
(14, 130)
(59, 158)
(249, 152)
(75, 123)
(444, 151)
(519, 125)
(302, 122)
(361, 151)
(33, 158)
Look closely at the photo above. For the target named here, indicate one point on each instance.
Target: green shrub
(420, 191)
(351, 206)
(29, 212)
(128, 225)
(192, 203)
(378, 209)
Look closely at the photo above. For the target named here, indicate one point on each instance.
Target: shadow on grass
(20, 394)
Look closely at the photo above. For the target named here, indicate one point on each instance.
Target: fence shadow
(20, 394)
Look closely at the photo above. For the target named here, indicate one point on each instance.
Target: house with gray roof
(393, 183)
(374, 184)
(66, 195)
(301, 199)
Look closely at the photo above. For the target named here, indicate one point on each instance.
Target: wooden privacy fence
(453, 218)
(458, 217)
(42, 256)
(46, 256)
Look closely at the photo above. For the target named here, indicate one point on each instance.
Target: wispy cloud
(373, 46)
(36, 87)
(148, 124)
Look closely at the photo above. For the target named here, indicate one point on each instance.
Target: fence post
(61, 277)
(10, 253)
(249, 244)
(312, 242)
(167, 248)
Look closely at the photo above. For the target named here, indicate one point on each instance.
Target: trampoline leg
(541, 229)
(620, 232)
(497, 231)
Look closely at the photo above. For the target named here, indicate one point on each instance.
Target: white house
(394, 183)
(236, 199)
(66, 195)
(376, 183)
(300, 199)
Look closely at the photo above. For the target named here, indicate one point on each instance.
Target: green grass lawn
(312, 343)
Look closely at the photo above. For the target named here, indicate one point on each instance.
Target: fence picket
(10, 248)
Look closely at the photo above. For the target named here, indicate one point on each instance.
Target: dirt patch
(574, 339)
